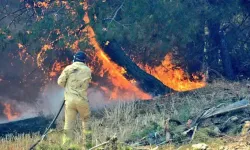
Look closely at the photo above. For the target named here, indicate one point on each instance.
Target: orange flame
(174, 77)
(9, 112)
(42, 4)
(75, 46)
(20, 45)
(57, 68)
(41, 55)
(23, 54)
(67, 6)
(123, 88)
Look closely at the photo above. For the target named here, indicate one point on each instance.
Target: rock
(217, 130)
(200, 146)
(223, 148)
(245, 128)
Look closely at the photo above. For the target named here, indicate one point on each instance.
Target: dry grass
(21, 142)
(123, 121)
(126, 119)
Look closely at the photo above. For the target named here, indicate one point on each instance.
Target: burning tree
(38, 39)
(136, 49)
(60, 28)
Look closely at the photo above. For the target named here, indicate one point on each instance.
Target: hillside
(135, 122)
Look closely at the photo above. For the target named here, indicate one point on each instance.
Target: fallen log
(229, 108)
(26, 126)
(216, 121)
(146, 82)
(225, 120)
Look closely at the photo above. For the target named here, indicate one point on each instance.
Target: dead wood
(112, 141)
(195, 129)
(229, 108)
(218, 110)
(147, 82)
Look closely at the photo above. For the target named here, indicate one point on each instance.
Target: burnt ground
(26, 126)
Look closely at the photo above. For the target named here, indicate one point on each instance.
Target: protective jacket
(75, 78)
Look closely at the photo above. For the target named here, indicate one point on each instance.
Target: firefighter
(75, 78)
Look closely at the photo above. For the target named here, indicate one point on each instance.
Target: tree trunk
(214, 45)
(218, 48)
(205, 56)
(147, 82)
(226, 59)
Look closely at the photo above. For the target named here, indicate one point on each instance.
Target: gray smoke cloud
(23, 109)
(49, 101)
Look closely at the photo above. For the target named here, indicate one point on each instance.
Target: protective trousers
(72, 107)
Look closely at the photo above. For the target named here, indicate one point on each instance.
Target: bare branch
(13, 13)
(16, 17)
(115, 14)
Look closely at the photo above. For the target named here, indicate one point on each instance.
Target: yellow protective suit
(75, 78)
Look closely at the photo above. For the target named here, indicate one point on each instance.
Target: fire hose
(47, 129)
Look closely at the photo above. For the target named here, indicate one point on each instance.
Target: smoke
(98, 99)
(49, 102)
(18, 109)
(50, 99)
